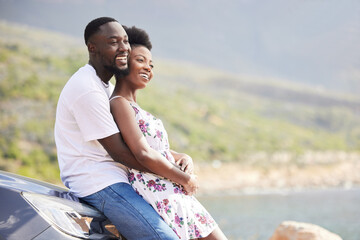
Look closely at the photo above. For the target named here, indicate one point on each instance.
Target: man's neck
(102, 73)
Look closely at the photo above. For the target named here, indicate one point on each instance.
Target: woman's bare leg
(217, 234)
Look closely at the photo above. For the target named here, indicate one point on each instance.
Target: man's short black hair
(94, 26)
(138, 37)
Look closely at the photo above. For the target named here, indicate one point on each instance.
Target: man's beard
(119, 73)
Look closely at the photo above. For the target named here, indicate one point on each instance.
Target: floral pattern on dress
(159, 135)
(144, 126)
(183, 213)
(155, 186)
(178, 189)
(163, 206)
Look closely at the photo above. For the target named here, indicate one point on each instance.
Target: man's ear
(91, 47)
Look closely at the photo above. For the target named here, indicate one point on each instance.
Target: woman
(169, 189)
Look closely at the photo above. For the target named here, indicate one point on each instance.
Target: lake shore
(251, 178)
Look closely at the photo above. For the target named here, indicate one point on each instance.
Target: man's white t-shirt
(83, 116)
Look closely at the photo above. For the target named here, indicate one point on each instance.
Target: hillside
(210, 114)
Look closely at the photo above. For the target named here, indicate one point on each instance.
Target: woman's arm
(124, 116)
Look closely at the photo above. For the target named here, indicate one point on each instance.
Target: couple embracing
(116, 156)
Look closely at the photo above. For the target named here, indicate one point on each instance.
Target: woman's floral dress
(183, 213)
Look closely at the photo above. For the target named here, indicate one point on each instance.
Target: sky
(306, 41)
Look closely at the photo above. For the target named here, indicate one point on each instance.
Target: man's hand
(185, 163)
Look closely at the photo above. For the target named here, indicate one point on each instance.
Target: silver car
(32, 209)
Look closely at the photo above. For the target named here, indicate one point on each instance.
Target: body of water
(256, 216)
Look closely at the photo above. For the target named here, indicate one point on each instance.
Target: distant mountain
(312, 42)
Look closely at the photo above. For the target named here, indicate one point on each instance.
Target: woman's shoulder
(119, 102)
(121, 98)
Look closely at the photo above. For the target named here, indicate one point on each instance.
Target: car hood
(25, 184)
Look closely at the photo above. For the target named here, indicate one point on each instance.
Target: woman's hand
(192, 185)
(185, 163)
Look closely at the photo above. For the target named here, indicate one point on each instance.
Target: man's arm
(119, 152)
(184, 161)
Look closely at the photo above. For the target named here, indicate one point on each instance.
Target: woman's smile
(145, 76)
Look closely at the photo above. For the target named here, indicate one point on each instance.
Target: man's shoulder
(81, 83)
(84, 73)
(83, 80)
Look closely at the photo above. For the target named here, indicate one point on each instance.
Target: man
(90, 148)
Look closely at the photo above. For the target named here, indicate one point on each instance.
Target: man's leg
(133, 217)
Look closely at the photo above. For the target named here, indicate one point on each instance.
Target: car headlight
(71, 217)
